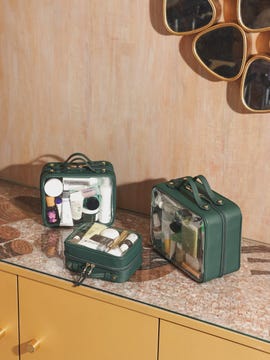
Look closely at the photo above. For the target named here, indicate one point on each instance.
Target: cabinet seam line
(158, 339)
(18, 319)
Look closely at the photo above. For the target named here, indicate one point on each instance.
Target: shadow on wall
(29, 173)
(137, 196)
(156, 16)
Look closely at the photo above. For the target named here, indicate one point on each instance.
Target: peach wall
(104, 78)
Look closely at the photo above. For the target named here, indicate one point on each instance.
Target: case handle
(212, 196)
(189, 184)
(75, 157)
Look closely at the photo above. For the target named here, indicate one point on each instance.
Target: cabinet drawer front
(73, 326)
(179, 342)
(8, 317)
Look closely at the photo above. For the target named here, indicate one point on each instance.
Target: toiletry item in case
(157, 225)
(66, 215)
(91, 206)
(105, 210)
(179, 254)
(128, 242)
(58, 203)
(110, 233)
(53, 187)
(96, 228)
(167, 218)
(190, 239)
(51, 210)
(119, 239)
(89, 192)
(75, 184)
(76, 203)
(97, 242)
(102, 241)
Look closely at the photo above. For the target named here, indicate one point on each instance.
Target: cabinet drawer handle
(2, 332)
(32, 345)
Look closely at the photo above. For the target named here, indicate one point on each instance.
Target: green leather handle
(79, 157)
(189, 184)
(212, 196)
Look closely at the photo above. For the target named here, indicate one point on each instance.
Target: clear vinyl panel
(178, 234)
(74, 200)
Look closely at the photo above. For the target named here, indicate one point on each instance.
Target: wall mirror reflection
(183, 17)
(222, 50)
(254, 15)
(255, 85)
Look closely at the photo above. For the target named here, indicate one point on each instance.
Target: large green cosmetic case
(76, 191)
(196, 228)
(102, 252)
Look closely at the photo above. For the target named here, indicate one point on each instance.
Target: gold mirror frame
(243, 80)
(245, 27)
(213, 28)
(214, 5)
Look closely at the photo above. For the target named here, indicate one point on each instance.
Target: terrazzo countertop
(239, 301)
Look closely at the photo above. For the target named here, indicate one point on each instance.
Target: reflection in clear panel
(188, 16)
(255, 87)
(254, 15)
(222, 49)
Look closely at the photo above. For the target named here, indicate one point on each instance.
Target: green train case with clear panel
(102, 252)
(195, 228)
(77, 191)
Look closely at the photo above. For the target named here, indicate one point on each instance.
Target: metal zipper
(72, 257)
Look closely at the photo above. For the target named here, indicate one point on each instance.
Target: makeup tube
(105, 210)
(66, 216)
(76, 204)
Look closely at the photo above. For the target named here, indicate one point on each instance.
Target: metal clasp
(86, 272)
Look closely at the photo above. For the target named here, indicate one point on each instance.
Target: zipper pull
(87, 270)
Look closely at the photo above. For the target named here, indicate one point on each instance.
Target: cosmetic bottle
(53, 187)
(128, 242)
(76, 203)
(66, 216)
(51, 210)
(105, 206)
(58, 203)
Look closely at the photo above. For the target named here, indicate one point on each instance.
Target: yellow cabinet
(59, 324)
(180, 342)
(8, 317)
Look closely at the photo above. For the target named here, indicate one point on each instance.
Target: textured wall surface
(106, 79)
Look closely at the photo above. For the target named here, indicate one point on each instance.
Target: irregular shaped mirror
(222, 49)
(183, 17)
(254, 15)
(255, 85)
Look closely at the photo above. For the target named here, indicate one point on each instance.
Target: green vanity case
(99, 264)
(76, 191)
(195, 228)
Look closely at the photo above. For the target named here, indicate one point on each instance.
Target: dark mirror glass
(255, 14)
(187, 15)
(222, 50)
(256, 85)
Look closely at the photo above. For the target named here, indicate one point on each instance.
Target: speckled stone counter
(239, 301)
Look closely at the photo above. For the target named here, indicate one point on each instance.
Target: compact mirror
(255, 85)
(183, 17)
(254, 15)
(222, 50)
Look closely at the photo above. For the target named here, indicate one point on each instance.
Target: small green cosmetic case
(77, 191)
(196, 228)
(101, 252)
